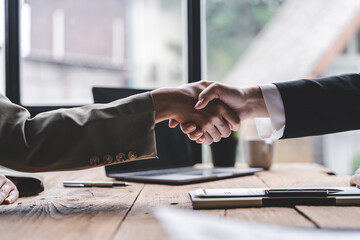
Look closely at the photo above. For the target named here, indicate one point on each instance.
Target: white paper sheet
(185, 224)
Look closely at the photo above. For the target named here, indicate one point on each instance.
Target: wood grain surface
(68, 213)
(127, 212)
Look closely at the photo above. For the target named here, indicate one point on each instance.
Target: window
(67, 47)
(231, 27)
(264, 41)
(70, 46)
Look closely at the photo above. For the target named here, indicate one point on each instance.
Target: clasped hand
(206, 123)
(208, 111)
(224, 106)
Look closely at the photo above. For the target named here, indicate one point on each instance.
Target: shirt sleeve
(273, 127)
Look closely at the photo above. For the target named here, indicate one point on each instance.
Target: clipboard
(269, 197)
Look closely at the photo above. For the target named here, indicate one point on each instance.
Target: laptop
(175, 163)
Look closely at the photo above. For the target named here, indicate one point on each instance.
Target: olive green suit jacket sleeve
(77, 138)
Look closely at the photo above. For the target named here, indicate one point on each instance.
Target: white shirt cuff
(273, 127)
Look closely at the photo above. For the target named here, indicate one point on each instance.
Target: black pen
(300, 192)
(95, 184)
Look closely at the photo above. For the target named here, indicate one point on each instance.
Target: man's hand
(213, 121)
(246, 102)
(355, 179)
(8, 191)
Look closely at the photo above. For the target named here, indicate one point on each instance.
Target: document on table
(185, 224)
(259, 192)
(267, 197)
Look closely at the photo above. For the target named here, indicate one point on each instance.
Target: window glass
(251, 42)
(231, 28)
(69, 46)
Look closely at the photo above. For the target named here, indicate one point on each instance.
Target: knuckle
(216, 137)
(204, 82)
(225, 131)
(15, 194)
(12, 185)
(208, 139)
(183, 129)
(224, 126)
(191, 137)
(228, 133)
(214, 119)
(207, 125)
(5, 189)
(212, 88)
(215, 85)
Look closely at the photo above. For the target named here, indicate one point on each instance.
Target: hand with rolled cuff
(8, 191)
(249, 103)
(246, 102)
(216, 120)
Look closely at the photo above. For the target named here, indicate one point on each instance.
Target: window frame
(12, 50)
(13, 66)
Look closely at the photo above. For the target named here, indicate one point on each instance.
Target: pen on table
(95, 184)
(301, 192)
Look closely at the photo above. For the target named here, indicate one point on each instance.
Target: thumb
(206, 96)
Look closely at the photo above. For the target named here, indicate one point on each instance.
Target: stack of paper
(260, 197)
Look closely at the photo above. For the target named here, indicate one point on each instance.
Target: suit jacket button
(120, 157)
(94, 161)
(107, 159)
(132, 155)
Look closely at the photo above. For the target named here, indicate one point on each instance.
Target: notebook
(265, 197)
(175, 164)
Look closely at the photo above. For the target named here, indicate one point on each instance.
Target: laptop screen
(173, 147)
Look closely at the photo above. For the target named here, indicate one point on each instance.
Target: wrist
(255, 101)
(163, 101)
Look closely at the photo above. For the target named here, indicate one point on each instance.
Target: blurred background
(67, 47)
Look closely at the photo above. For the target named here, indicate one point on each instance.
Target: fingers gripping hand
(229, 95)
(206, 125)
(245, 102)
(215, 121)
(233, 97)
(193, 132)
(220, 121)
(8, 191)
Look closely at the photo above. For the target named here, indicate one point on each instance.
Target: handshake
(208, 111)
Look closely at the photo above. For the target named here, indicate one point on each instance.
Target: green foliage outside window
(231, 26)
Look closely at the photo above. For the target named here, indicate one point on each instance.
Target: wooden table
(126, 212)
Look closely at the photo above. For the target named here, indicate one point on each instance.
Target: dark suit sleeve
(321, 106)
